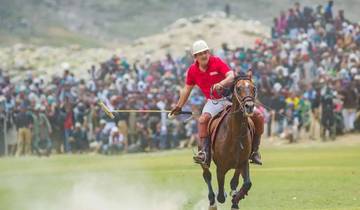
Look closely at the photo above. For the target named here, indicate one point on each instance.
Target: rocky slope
(215, 28)
(99, 23)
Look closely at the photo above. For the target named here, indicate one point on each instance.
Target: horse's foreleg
(221, 179)
(246, 185)
(207, 178)
(233, 185)
(235, 180)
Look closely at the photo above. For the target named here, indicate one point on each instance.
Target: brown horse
(232, 145)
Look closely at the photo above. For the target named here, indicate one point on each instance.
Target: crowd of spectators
(307, 76)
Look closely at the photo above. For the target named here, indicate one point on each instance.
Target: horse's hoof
(211, 198)
(221, 198)
(235, 207)
(213, 207)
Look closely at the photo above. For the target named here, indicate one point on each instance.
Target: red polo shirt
(215, 73)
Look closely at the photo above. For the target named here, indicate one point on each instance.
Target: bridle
(226, 93)
(243, 100)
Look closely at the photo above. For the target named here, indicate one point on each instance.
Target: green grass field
(322, 176)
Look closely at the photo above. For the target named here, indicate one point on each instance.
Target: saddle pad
(215, 122)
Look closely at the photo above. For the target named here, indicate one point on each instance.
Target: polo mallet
(106, 110)
(110, 113)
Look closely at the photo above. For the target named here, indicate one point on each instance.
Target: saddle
(215, 122)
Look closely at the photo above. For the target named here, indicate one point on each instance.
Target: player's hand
(218, 87)
(175, 111)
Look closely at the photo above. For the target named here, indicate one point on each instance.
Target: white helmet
(199, 46)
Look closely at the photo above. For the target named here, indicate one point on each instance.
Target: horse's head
(245, 93)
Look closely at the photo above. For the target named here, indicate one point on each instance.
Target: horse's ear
(249, 74)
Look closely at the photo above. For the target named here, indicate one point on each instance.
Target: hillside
(213, 27)
(96, 23)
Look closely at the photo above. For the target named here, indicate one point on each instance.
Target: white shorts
(215, 106)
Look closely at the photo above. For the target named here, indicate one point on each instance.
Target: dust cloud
(106, 193)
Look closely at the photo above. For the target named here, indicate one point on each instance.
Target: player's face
(203, 57)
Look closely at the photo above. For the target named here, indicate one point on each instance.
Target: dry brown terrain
(214, 28)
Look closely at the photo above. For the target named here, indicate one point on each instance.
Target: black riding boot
(255, 155)
(203, 157)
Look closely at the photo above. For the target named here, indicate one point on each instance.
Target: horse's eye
(238, 89)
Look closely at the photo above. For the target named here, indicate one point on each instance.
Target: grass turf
(293, 177)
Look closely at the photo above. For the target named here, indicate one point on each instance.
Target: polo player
(208, 72)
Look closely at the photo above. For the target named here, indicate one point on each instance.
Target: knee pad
(258, 119)
(203, 125)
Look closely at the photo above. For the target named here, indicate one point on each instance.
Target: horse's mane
(241, 76)
(229, 90)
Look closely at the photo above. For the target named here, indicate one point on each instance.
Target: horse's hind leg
(211, 195)
(244, 188)
(233, 185)
(221, 179)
